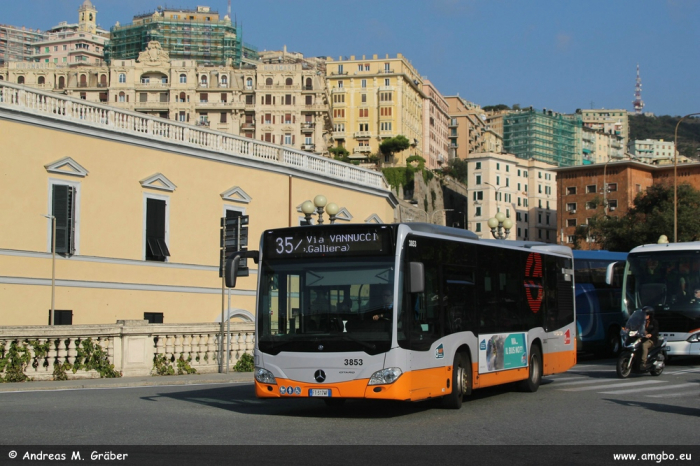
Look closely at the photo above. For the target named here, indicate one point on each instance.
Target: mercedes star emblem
(320, 376)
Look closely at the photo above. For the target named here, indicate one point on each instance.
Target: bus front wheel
(532, 383)
(461, 381)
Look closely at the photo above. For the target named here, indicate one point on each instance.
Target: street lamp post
(675, 178)
(53, 268)
(500, 225)
(320, 201)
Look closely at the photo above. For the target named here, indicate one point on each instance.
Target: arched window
(20, 80)
(183, 78)
(61, 82)
(83, 80)
(103, 80)
(122, 77)
(268, 82)
(122, 97)
(203, 80)
(288, 82)
(224, 80)
(249, 83)
(2, 78)
(42, 80)
(308, 84)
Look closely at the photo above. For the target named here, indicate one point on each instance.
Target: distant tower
(87, 17)
(638, 102)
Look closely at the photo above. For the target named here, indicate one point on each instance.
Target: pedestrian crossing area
(675, 382)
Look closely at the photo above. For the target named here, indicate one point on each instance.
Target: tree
(651, 217)
(457, 169)
(499, 107)
(393, 145)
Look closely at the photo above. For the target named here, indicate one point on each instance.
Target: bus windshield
(326, 304)
(666, 281)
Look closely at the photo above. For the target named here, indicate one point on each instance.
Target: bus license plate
(319, 392)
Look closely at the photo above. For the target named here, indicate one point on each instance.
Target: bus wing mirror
(610, 272)
(233, 267)
(417, 277)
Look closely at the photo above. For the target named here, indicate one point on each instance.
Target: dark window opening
(153, 317)
(63, 208)
(156, 248)
(61, 317)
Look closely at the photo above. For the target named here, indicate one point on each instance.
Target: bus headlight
(264, 376)
(385, 376)
(694, 338)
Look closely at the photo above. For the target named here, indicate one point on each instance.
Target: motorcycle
(629, 360)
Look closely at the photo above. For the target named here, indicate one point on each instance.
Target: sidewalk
(121, 382)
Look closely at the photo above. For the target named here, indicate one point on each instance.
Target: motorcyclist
(651, 333)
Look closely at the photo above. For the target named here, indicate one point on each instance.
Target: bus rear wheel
(461, 381)
(532, 383)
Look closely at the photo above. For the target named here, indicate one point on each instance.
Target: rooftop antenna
(229, 8)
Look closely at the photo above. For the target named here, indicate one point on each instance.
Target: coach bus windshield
(667, 281)
(326, 304)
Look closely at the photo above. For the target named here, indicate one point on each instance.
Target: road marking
(615, 385)
(674, 395)
(683, 371)
(588, 381)
(664, 387)
(181, 385)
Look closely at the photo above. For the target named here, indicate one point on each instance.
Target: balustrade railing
(131, 346)
(61, 107)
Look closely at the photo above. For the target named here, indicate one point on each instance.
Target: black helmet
(648, 310)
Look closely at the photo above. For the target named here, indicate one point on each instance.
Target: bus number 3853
(353, 362)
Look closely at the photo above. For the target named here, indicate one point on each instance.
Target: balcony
(248, 125)
(453, 123)
(387, 134)
(337, 90)
(362, 135)
(308, 127)
(338, 134)
(362, 150)
(308, 147)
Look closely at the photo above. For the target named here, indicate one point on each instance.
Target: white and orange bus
(407, 311)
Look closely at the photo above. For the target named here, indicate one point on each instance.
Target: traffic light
(233, 238)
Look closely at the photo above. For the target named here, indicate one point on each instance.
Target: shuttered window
(156, 248)
(63, 209)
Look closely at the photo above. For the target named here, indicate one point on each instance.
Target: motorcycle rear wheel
(624, 366)
(656, 372)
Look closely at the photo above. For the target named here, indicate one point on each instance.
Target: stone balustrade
(131, 346)
(64, 108)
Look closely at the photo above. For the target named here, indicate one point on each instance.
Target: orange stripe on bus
(561, 361)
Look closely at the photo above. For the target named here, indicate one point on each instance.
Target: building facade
(600, 147)
(281, 103)
(18, 43)
(436, 120)
(373, 99)
(524, 190)
(609, 189)
(615, 122)
(652, 150)
(74, 44)
(469, 131)
(544, 135)
(138, 203)
(199, 34)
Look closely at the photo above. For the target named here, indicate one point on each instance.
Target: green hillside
(663, 127)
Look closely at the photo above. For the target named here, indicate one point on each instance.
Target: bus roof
(600, 255)
(690, 246)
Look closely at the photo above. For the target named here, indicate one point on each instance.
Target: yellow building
(373, 99)
(138, 202)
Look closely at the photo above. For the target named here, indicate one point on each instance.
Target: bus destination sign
(318, 241)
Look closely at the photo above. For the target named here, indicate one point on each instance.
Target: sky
(561, 55)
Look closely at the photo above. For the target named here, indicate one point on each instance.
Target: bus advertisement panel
(398, 311)
(667, 277)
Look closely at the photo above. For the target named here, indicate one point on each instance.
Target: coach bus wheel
(532, 383)
(334, 402)
(461, 381)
